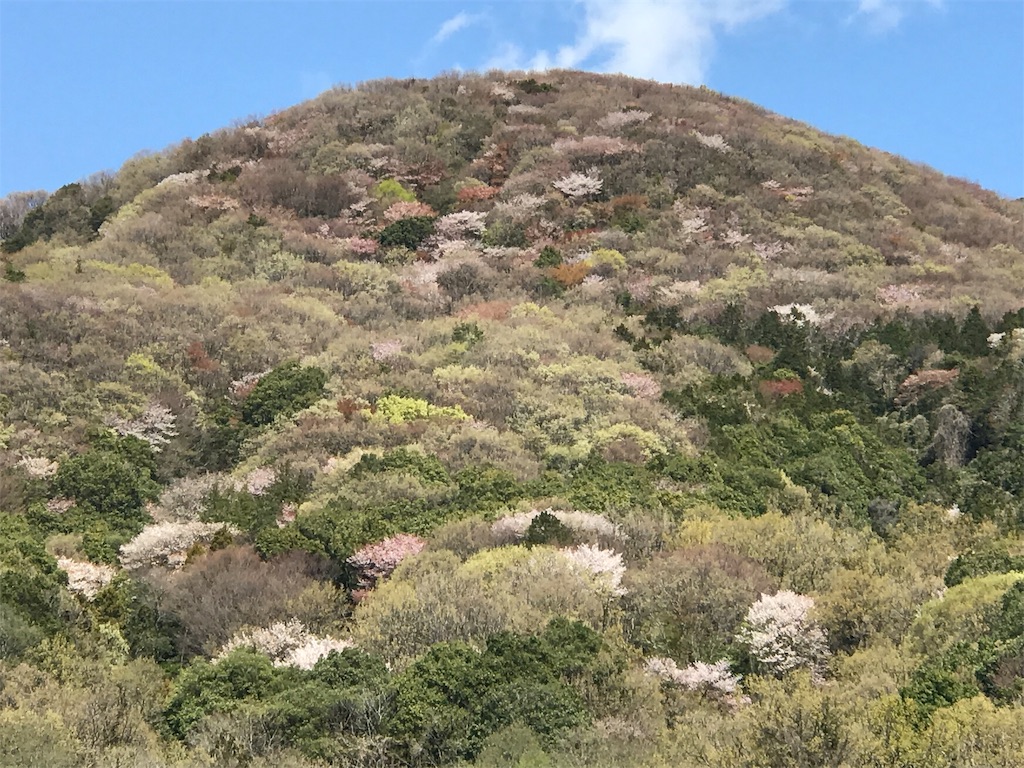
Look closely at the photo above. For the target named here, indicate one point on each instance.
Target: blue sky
(86, 85)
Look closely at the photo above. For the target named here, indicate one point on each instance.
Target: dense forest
(496, 420)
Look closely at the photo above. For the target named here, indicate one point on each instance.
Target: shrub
(407, 233)
(284, 391)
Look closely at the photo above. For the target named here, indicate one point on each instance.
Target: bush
(407, 233)
(284, 391)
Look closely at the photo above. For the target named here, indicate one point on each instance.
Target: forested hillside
(565, 420)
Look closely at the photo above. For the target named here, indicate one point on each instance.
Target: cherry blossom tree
(781, 635)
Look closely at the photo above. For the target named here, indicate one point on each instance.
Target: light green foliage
(960, 615)
(607, 257)
(437, 598)
(396, 409)
(390, 191)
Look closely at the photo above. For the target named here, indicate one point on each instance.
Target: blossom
(460, 224)
(781, 635)
(154, 426)
(593, 145)
(407, 210)
(287, 514)
(361, 246)
(382, 351)
(520, 207)
(185, 498)
(809, 314)
(240, 388)
(167, 544)
(59, 505)
(524, 109)
(378, 561)
(898, 294)
(38, 466)
(514, 527)
(615, 120)
(579, 184)
(714, 141)
(769, 251)
(259, 480)
(502, 92)
(84, 577)
(641, 385)
(286, 644)
(698, 676)
(605, 564)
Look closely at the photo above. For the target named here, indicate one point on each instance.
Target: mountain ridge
(505, 420)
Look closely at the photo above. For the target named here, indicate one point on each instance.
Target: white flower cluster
(84, 577)
(605, 564)
(286, 644)
(167, 544)
(240, 388)
(769, 251)
(154, 426)
(714, 141)
(520, 207)
(579, 184)
(604, 146)
(781, 635)
(513, 527)
(382, 351)
(38, 466)
(698, 676)
(616, 120)
(258, 481)
(459, 225)
(185, 498)
(182, 179)
(810, 315)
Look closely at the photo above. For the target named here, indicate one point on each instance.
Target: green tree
(284, 391)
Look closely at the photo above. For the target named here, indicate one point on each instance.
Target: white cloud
(455, 24)
(886, 15)
(669, 40)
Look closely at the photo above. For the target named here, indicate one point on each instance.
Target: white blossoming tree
(286, 644)
(780, 634)
(167, 544)
(579, 185)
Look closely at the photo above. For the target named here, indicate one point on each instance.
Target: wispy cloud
(455, 24)
(886, 15)
(671, 40)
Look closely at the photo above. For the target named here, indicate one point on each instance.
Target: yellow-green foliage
(390, 191)
(607, 257)
(960, 614)
(396, 409)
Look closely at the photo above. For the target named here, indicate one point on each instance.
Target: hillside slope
(569, 420)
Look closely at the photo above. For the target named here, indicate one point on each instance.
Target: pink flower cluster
(407, 210)
(378, 561)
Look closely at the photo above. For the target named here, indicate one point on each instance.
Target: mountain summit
(508, 420)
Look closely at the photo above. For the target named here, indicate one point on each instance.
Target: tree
(284, 391)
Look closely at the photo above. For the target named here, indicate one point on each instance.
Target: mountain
(494, 420)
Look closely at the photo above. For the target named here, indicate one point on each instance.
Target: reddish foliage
(488, 310)
(198, 359)
(475, 194)
(918, 384)
(772, 389)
